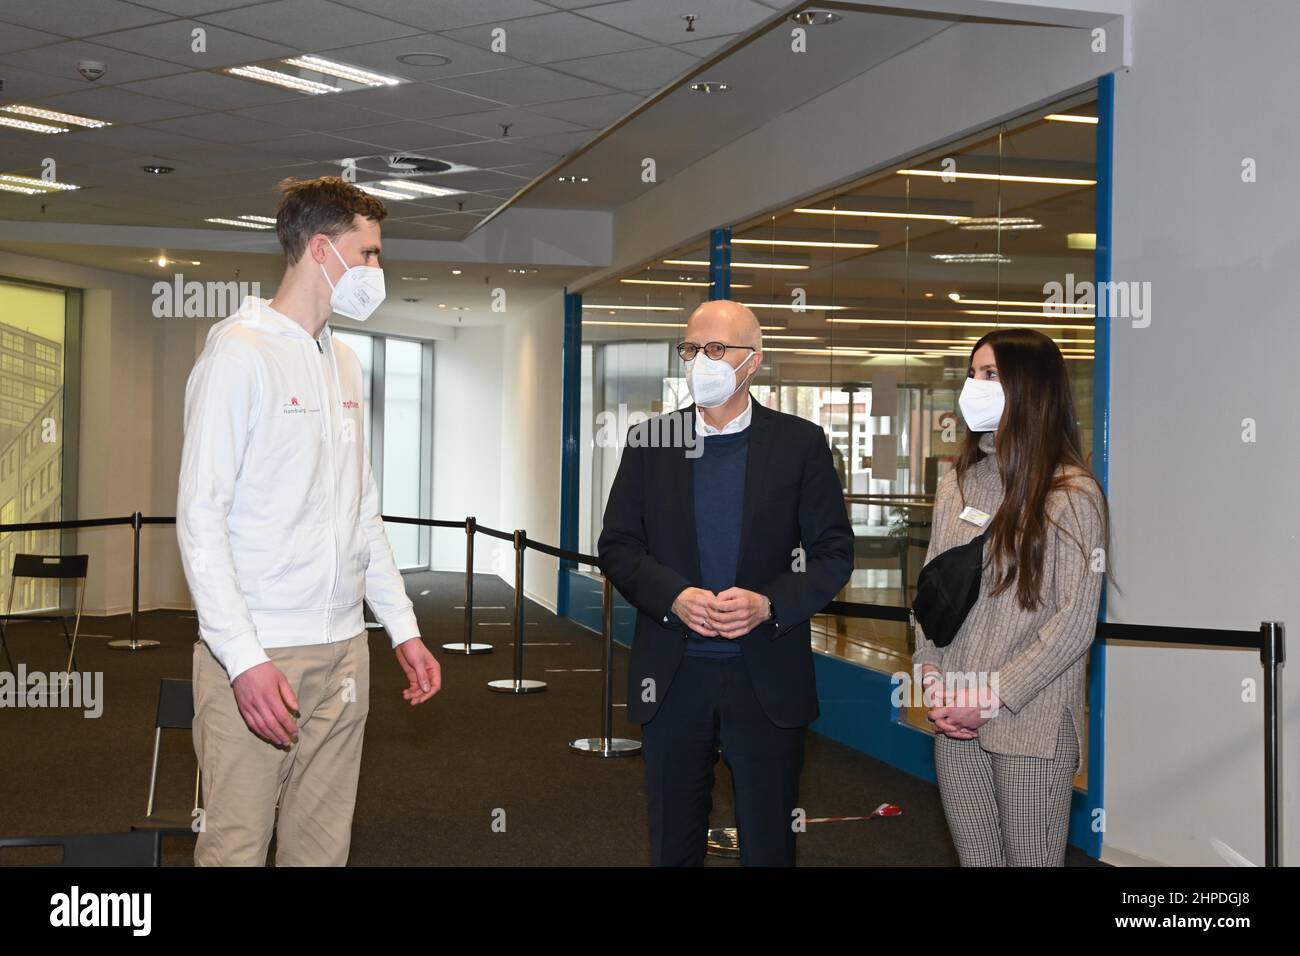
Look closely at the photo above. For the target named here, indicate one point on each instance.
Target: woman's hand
(960, 723)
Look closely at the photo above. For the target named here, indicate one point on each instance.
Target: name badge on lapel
(974, 516)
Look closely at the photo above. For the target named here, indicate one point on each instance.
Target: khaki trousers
(314, 780)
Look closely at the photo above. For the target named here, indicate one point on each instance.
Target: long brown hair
(1038, 435)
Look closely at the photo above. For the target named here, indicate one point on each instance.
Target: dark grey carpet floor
(435, 777)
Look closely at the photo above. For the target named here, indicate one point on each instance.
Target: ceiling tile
(524, 86)
(316, 113)
(77, 18)
(222, 128)
(308, 25)
(595, 112)
(705, 47)
(382, 57)
(142, 141)
(663, 22)
(61, 60)
(194, 8)
(556, 36)
(315, 147)
(20, 38)
(521, 123)
(117, 105)
(23, 85)
(173, 41)
(215, 91)
(408, 136)
(491, 153)
(559, 144)
(449, 14)
(635, 70)
(417, 101)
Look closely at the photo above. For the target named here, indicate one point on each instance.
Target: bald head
(722, 320)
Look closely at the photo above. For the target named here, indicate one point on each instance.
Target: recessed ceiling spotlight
(423, 59)
(522, 272)
(415, 278)
(71, 119)
(815, 18)
(455, 272)
(158, 170)
(710, 86)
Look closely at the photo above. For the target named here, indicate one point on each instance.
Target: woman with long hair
(1006, 754)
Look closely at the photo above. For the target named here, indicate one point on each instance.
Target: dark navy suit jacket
(649, 552)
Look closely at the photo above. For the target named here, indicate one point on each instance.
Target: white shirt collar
(737, 424)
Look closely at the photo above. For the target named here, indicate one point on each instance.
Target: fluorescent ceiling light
(653, 325)
(39, 185)
(342, 71)
(266, 219)
(6, 187)
(296, 83)
(70, 118)
(805, 243)
(422, 188)
(885, 215)
(803, 308)
(1070, 118)
(30, 126)
(956, 297)
(970, 257)
(1036, 315)
(736, 265)
(696, 283)
(792, 338)
(243, 223)
(637, 308)
(1081, 240)
(989, 223)
(383, 193)
(999, 177)
(956, 323)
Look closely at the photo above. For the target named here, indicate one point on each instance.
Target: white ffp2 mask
(712, 381)
(981, 402)
(358, 292)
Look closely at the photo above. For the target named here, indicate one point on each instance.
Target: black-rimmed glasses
(714, 350)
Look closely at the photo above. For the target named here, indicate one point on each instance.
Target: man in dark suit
(726, 529)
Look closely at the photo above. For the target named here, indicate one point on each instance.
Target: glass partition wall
(870, 298)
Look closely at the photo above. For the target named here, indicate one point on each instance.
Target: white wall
(1205, 524)
(467, 443)
(532, 384)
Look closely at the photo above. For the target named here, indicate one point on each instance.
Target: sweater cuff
(402, 627)
(240, 653)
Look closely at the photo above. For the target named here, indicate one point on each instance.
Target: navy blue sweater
(719, 477)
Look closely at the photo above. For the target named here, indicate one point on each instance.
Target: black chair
(175, 712)
(62, 567)
(137, 848)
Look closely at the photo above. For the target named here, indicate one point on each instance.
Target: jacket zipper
(329, 451)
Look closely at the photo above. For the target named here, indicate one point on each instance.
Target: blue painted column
(720, 264)
(570, 453)
(1084, 818)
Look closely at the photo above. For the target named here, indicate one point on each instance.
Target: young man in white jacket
(279, 529)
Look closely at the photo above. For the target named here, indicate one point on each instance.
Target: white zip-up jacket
(278, 514)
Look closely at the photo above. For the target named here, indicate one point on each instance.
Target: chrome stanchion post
(134, 643)
(468, 646)
(517, 684)
(606, 745)
(1272, 655)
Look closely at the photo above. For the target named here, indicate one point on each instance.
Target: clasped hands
(730, 613)
(960, 723)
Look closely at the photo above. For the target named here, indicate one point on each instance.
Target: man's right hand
(265, 700)
(693, 606)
